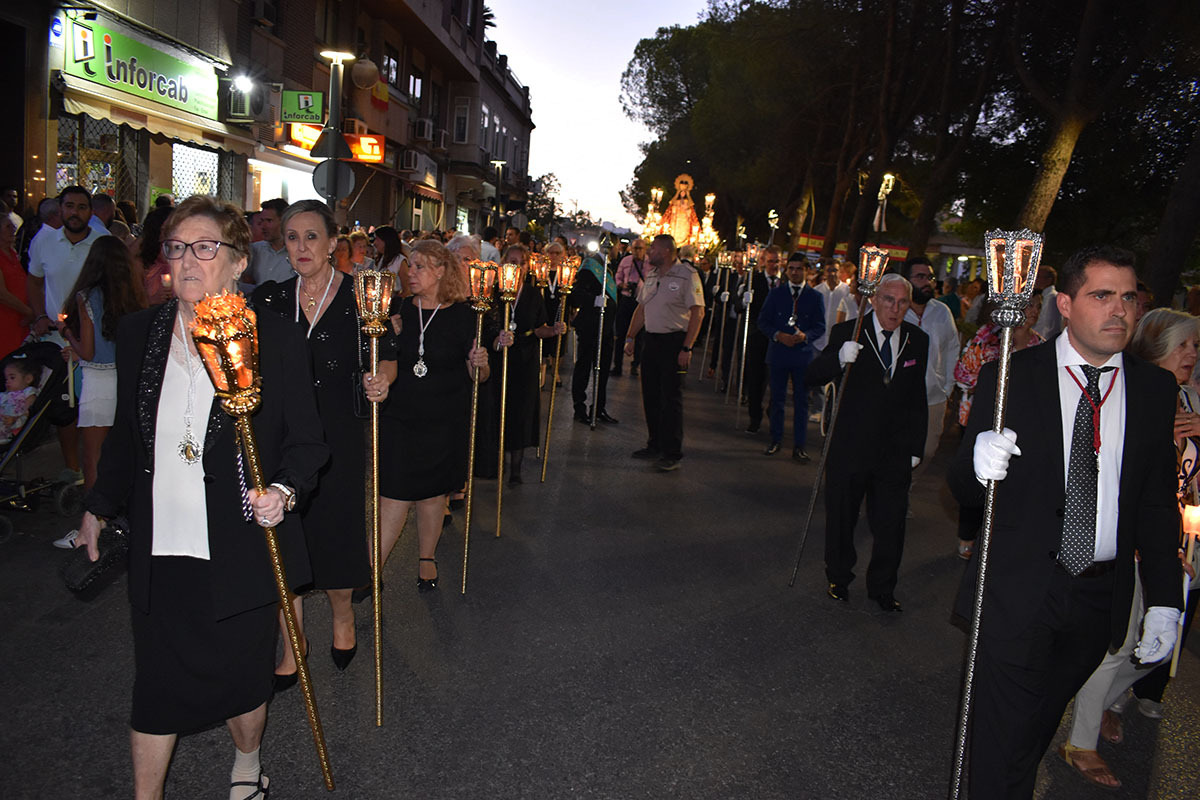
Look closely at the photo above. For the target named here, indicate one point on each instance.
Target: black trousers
(756, 375)
(1024, 680)
(722, 345)
(662, 393)
(585, 365)
(884, 482)
(625, 308)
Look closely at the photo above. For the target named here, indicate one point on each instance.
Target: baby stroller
(51, 407)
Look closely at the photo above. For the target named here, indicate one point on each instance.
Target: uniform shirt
(667, 302)
(269, 264)
(1112, 436)
(938, 324)
(59, 262)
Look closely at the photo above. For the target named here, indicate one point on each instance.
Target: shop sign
(302, 107)
(367, 148)
(103, 56)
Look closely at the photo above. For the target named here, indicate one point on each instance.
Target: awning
(421, 190)
(100, 102)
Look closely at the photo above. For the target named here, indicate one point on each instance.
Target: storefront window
(193, 171)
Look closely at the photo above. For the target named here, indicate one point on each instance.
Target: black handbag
(80, 573)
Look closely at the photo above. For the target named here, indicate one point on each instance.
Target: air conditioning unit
(424, 130)
(265, 13)
(441, 141)
(409, 162)
(355, 126)
(252, 106)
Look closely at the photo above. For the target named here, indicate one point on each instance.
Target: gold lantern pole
(226, 336)
(509, 276)
(1191, 529)
(482, 276)
(1012, 263)
(373, 294)
(539, 266)
(566, 282)
(872, 261)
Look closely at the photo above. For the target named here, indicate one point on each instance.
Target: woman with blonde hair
(424, 423)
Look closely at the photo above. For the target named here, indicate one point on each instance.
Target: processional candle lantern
(481, 275)
(510, 284)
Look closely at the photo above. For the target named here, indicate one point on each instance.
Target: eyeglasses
(203, 249)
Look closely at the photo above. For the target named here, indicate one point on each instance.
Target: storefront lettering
(129, 72)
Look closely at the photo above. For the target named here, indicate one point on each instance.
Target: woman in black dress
(324, 310)
(424, 427)
(528, 324)
(200, 583)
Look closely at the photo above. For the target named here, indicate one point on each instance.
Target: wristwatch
(686, 349)
(289, 495)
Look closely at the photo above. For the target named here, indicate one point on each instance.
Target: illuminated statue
(680, 218)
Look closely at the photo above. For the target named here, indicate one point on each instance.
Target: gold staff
(1191, 528)
(482, 276)
(1012, 264)
(566, 281)
(539, 266)
(373, 293)
(509, 275)
(871, 263)
(226, 336)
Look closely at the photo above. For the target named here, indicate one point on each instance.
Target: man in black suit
(878, 440)
(1092, 482)
(761, 284)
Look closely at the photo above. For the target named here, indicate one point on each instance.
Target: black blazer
(1029, 504)
(291, 449)
(876, 419)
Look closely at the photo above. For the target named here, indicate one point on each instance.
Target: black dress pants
(662, 393)
(1024, 680)
(756, 375)
(585, 364)
(884, 482)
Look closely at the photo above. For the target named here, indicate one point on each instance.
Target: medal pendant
(792, 321)
(419, 368)
(512, 326)
(189, 450)
(887, 379)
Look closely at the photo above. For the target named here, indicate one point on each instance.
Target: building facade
(137, 99)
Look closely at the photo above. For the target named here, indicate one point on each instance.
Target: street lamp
(330, 143)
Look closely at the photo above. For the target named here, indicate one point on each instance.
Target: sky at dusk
(572, 63)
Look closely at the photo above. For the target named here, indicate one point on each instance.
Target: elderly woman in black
(320, 302)
(200, 583)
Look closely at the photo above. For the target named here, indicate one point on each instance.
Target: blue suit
(791, 362)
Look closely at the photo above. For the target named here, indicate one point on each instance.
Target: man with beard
(936, 319)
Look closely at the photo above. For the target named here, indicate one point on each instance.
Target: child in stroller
(20, 377)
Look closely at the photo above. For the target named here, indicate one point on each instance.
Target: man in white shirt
(268, 258)
(12, 199)
(51, 220)
(1050, 322)
(844, 273)
(937, 321)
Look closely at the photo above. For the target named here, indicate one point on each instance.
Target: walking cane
(373, 293)
(1012, 265)
(724, 314)
(482, 276)
(871, 263)
(566, 281)
(509, 275)
(226, 335)
(599, 346)
(747, 300)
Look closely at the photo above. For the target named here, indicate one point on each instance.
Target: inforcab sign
(103, 56)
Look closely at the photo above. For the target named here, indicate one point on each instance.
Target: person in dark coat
(584, 301)
(761, 283)
(201, 585)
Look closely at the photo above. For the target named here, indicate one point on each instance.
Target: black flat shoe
(282, 683)
(752, 429)
(888, 603)
(427, 584)
(582, 416)
(342, 658)
(839, 592)
(607, 418)
(800, 456)
(772, 449)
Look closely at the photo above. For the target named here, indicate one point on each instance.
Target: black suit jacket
(876, 419)
(291, 450)
(1030, 501)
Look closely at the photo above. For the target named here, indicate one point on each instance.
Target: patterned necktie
(885, 352)
(1078, 547)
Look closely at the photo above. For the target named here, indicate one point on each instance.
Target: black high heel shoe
(342, 658)
(283, 682)
(427, 584)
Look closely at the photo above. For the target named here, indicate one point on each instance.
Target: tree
(542, 206)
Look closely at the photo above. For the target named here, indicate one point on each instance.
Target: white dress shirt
(1049, 322)
(1112, 436)
(58, 262)
(938, 323)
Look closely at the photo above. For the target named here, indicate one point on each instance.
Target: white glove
(848, 353)
(747, 299)
(915, 460)
(599, 301)
(724, 297)
(1159, 628)
(992, 452)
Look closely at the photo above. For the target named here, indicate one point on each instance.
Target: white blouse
(180, 513)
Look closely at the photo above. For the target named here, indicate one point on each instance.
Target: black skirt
(192, 670)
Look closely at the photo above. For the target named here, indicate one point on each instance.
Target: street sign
(302, 107)
(333, 179)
